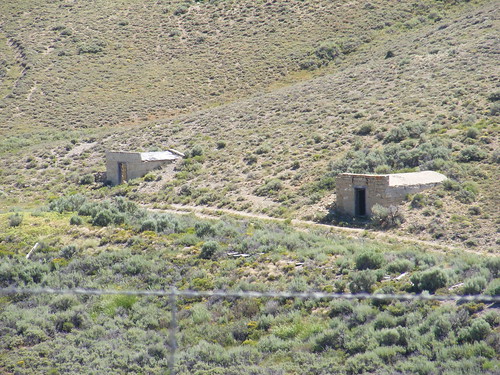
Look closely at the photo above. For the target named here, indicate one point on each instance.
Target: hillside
(399, 86)
(269, 100)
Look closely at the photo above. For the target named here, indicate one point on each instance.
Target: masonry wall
(378, 191)
(376, 188)
(135, 167)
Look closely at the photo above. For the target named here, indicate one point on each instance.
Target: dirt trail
(216, 213)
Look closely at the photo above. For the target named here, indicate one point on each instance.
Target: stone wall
(378, 191)
(135, 166)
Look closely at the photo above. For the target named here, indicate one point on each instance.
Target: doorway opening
(360, 201)
(122, 173)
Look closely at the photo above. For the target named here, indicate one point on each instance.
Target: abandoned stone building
(358, 193)
(124, 166)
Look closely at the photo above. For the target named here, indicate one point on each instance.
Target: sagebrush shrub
(429, 280)
(369, 260)
(15, 220)
(209, 249)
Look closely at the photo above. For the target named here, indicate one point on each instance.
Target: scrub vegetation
(134, 249)
(269, 101)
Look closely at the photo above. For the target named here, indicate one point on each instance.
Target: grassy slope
(441, 74)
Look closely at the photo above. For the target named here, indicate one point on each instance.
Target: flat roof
(416, 178)
(405, 179)
(158, 156)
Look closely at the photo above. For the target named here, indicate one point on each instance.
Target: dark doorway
(122, 173)
(360, 201)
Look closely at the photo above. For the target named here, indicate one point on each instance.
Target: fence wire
(173, 293)
(255, 294)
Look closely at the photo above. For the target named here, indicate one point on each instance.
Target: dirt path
(216, 213)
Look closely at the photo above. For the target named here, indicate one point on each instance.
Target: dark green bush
(430, 280)
(364, 129)
(477, 331)
(149, 225)
(103, 218)
(330, 338)
(327, 51)
(209, 249)
(369, 260)
(269, 188)
(68, 251)
(472, 153)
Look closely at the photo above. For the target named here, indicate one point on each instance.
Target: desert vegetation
(269, 101)
(134, 249)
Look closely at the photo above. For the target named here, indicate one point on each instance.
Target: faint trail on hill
(215, 213)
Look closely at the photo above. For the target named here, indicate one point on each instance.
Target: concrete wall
(135, 166)
(378, 191)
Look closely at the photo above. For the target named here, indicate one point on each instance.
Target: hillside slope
(431, 76)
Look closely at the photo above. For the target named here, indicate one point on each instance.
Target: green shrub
(340, 307)
(430, 280)
(362, 281)
(87, 179)
(384, 320)
(363, 363)
(209, 250)
(203, 229)
(400, 266)
(388, 336)
(369, 260)
(365, 129)
(15, 220)
(442, 327)
(103, 218)
(493, 288)
(472, 133)
(386, 217)
(477, 331)
(474, 286)
(149, 177)
(68, 251)
(472, 153)
(330, 338)
(327, 51)
(272, 344)
(493, 264)
(149, 225)
(71, 203)
(418, 200)
(269, 188)
(76, 220)
(397, 135)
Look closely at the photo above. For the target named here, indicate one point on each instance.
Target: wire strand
(254, 294)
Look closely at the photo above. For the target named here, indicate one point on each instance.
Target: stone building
(124, 166)
(358, 193)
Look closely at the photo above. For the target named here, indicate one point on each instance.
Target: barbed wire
(255, 294)
(173, 293)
